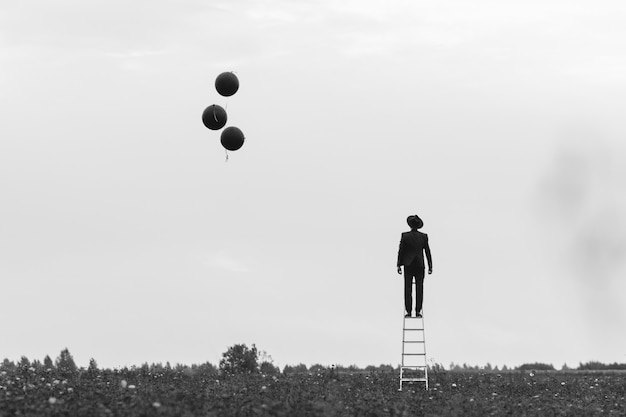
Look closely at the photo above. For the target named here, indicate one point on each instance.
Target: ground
(27, 391)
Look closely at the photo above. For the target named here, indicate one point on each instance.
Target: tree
(24, 362)
(288, 369)
(385, 368)
(239, 359)
(65, 363)
(537, 366)
(268, 368)
(207, 369)
(455, 367)
(7, 365)
(317, 368)
(93, 366)
(47, 362)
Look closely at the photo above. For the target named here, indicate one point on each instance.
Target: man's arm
(399, 263)
(429, 257)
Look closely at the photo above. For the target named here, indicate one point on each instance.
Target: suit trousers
(410, 272)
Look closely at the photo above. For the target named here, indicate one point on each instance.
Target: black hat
(415, 222)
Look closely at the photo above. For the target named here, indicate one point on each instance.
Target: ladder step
(414, 367)
(413, 341)
(413, 379)
(413, 354)
(413, 330)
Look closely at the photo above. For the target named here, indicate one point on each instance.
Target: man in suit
(413, 245)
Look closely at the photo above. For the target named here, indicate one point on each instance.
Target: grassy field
(26, 391)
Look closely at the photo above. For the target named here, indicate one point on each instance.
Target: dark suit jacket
(413, 244)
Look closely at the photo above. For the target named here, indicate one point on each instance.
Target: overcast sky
(126, 236)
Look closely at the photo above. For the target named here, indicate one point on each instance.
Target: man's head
(415, 222)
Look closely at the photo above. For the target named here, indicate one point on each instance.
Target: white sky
(125, 236)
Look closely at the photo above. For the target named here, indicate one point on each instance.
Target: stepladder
(413, 368)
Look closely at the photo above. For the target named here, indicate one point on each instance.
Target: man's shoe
(418, 315)
(407, 315)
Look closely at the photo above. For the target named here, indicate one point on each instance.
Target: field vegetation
(241, 386)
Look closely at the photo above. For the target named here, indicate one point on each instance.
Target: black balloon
(232, 138)
(214, 117)
(227, 84)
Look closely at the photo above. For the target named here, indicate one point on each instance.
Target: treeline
(538, 366)
(317, 368)
(64, 366)
(238, 359)
(601, 366)
(241, 359)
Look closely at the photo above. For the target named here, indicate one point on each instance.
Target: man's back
(412, 246)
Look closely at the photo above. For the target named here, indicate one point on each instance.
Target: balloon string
(226, 151)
